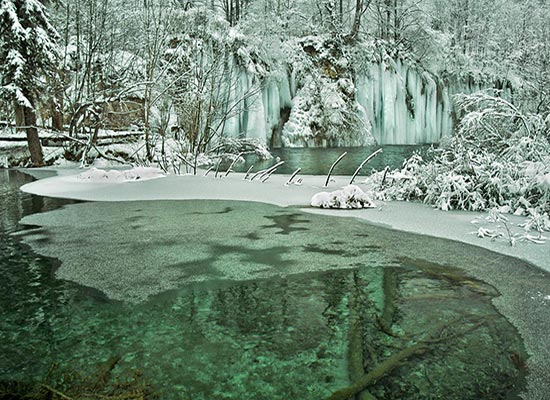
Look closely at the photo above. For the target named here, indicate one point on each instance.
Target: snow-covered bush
(498, 226)
(499, 157)
(179, 159)
(228, 145)
(408, 183)
(349, 196)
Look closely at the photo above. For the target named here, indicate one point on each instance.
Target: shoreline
(411, 217)
(525, 302)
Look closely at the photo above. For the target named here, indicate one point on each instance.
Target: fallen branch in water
(394, 361)
(73, 385)
(378, 372)
(104, 374)
(292, 176)
(208, 170)
(332, 167)
(363, 164)
(233, 163)
(256, 174)
(272, 169)
(356, 359)
(248, 172)
(217, 168)
(55, 392)
(268, 176)
(389, 284)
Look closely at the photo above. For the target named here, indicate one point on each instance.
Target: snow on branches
(27, 46)
(499, 157)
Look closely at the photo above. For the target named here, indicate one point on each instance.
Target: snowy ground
(14, 136)
(403, 216)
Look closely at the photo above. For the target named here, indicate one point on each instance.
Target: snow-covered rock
(349, 196)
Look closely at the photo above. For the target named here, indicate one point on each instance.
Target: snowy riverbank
(403, 216)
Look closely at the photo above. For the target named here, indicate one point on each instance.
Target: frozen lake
(235, 300)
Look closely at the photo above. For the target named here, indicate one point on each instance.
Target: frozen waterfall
(400, 103)
(257, 107)
(404, 106)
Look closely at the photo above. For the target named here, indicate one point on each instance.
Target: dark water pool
(232, 300)
(317, 161)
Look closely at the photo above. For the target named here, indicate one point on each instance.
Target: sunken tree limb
(378, 372)
(388, 365)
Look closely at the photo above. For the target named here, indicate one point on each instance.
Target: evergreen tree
(27, 51)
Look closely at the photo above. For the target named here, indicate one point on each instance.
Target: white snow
(399, 215)
(350, 196)
(95, 175)
(544, 180)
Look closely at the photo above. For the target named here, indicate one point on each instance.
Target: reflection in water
(31, 295)
(295, 315)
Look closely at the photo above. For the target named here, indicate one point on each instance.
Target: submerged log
(104, 373)
(378, 372)
(389, 285)
(434, 337)
(356, 358)
(73, 385)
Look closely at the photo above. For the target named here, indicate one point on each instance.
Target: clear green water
(231, 300)
(317, 161)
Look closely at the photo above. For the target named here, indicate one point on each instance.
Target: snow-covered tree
(27, 51)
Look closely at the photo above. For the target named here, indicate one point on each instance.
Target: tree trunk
(147, 126)
(396, 28)
(56, 108)
(29, 124)
(19, 117)
(361, 7)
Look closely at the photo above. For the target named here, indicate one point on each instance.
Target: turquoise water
(317, 161)
(232, 300)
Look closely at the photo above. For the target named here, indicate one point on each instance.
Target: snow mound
(134, 174)
(349, 196)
